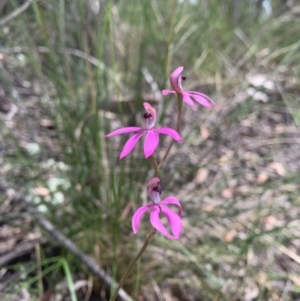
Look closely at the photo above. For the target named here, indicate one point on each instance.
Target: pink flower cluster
(160, 207)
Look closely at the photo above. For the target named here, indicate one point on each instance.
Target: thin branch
(15, 13)
(90, 263)
(19, 251)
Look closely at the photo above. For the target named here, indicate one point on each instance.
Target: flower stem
(138, 256)
(178, 124)
(155, 165)
(179, 113)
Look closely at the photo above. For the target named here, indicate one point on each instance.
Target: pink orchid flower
(156, 208)
(187, 96)
(151, 139)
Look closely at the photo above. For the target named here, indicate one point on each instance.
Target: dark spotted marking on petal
(147, 115)
(157, 188)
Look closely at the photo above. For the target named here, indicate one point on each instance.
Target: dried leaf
(227, 193)
(295, 279)
(229, 236)
(7, 245)
(257, 95)
(204, 132)
(258, 80)
(224, 159)
(244, 189)
(46, 123)
(262, 177)
(208, 207)
(251, 291)
(278, 167)
(262, 277)
(42, 191)
(270, 222)
(289, 187)
(202, 175)
(7, 231)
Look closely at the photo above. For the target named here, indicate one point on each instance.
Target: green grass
(49, 268)
(84, 61)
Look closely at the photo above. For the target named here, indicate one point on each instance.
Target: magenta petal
(175, 79)
(186, 98)
(166, 92)
(150, 144)
(173, 219)
(175, 74)
(157, 224)
(123, 130)
(201, 98)
(170, 132)
(130, 144)
(137, 217)
(173, 201)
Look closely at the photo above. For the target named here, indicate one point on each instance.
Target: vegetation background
(72, 70)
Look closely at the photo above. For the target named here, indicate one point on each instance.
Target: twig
(19, 251)
(90, 263)
(15, 13)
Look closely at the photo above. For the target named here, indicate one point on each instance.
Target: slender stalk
(178, 124)
(153, 231)
(149, 236)
(179, 113)
(155, 165)
(166, 154)
(39, 269)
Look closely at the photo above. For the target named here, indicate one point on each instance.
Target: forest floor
(237, 177)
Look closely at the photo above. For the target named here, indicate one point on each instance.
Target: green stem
(178, 124)
(138, 256)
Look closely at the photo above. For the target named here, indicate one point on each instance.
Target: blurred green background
(73, 70)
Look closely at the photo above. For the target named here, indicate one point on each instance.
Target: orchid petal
(154, 190)
(186, 98)
(130, 144)
(201, 98)
(166, 92)
(173, 201)
(170, 132)
(123, 130)
(157, 224)
(173, 219)
(148, 108)
(150, 122)
(137, 217)
(151, 143)
(175, 79)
